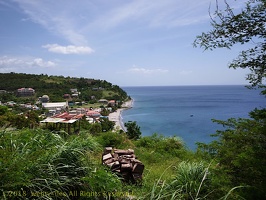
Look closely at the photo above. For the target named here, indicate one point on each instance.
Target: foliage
(133, 130)
(56, 86)
(247, 26)
(161, 143)
(106, 124)
(156, 147)
(3, 110)
(84, 124)
(189, 182)
(240, 151)
(28, 120)
(105, 112)
(5, 97)
(240, 147)
(161, 191)
(95, 128)
(113, 139)
(41, 161)
(41, 164)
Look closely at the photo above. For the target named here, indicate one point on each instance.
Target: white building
(55, 108)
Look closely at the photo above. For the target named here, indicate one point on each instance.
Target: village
(67, 114)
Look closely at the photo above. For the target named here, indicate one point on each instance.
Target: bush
(191, 179)
(133, 130)
(161, 143)
(113, 139)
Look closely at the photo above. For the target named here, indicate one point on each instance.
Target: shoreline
(117, 115)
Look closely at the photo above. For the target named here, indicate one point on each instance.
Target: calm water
(186, 111)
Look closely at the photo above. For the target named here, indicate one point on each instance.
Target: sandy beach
(116, 116)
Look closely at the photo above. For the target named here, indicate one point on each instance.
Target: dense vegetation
(56, 86)
(239, 150)
(41, 164)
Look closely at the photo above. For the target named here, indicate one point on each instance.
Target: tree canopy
(133, 130)
(56, 86)
(246, 27)
(239, 150)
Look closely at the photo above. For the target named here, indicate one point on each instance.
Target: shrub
(161, 143)
(113, 139)
(133, 130)
(191, 179)
(189, 182)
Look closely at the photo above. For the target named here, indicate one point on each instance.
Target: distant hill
(56, 86)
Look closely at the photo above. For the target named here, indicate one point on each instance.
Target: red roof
(68, 116)
(93, 113)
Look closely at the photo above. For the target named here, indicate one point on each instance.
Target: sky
(125, 42)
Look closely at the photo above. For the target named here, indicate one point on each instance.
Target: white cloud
(70, 49)
(74, 21)
(58, 17)
(39, 62)
(8, 63)
(77, 21)
(147, 71)
(167, 13)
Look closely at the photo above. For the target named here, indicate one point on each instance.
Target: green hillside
(56, 86)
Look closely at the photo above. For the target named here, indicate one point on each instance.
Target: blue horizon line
(185, 85)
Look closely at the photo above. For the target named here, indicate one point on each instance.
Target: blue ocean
(186, 111)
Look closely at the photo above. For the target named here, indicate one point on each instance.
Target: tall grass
(230, 194)
(44, 165)
(189, 182)
(161, 190)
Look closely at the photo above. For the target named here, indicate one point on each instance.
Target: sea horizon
(246, 85)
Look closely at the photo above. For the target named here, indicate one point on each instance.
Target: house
(81, 110)
(55, 108)
(103, 101)
(44, 99)
(93, 114)
(22, 92)
(66, 96)
(111, 103)
(74, 90)
(10, 103)
(78, 111)
(65, 120)
(75, 95)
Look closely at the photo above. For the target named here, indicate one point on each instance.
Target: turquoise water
(186, 111)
